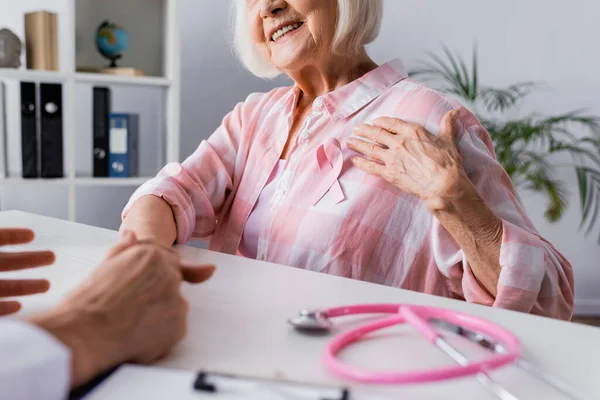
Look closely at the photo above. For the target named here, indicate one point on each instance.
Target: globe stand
(113, 61)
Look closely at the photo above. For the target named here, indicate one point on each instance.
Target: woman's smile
(283, 34)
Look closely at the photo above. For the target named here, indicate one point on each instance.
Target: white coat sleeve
(33, 364)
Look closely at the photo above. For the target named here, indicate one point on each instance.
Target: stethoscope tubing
(418, 317)
(507, 348)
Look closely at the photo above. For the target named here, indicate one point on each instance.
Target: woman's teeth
(285, 30)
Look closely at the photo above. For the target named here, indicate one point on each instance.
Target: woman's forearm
(477, 231)
(151, 218)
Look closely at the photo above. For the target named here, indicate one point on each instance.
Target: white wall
(552, 41)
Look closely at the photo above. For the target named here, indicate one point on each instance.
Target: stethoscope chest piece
(311, 321)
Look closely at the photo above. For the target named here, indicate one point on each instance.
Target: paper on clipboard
(151, 383)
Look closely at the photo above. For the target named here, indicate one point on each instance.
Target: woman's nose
(270, 8)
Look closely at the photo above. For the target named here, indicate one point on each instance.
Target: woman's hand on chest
(413, 159)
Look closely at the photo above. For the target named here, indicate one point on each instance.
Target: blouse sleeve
(197, 189)
(534, 277)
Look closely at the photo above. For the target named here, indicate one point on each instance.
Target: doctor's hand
(129, 310)
(13, 261)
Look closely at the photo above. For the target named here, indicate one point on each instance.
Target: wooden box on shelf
(121, 71)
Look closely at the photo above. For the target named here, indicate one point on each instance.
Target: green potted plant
(527, 145)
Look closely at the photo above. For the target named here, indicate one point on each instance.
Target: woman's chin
(293, 61)
(289, 65)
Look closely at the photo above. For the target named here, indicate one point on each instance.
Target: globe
(111, 41)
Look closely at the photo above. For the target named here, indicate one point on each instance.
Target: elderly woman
(355, 171)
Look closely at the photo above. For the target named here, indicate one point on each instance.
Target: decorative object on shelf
(111, 41)
(41, 40)
(3, 141)
(10, 49)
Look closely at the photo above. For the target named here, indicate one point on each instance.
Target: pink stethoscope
(429, 322)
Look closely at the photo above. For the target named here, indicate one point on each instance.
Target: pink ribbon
(331, 160)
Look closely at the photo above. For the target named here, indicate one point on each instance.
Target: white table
(238, 321)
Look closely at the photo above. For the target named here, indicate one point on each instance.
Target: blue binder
(123, 145)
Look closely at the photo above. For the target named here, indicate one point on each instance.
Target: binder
(101, 113)
(51, 130)
(41, 40)
(29, 137)
(123, 145)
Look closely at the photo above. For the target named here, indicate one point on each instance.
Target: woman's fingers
(376, 134)
(370, 167)
(24, 287)
(9, 307)
(10, 236)
(22, 260)
(449, 127)
(196, 273)
(403, 128)
(370, 150)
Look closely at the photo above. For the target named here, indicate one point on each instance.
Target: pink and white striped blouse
(328, 216)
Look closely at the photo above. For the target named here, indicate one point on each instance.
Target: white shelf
(61, 77)
(35, 181)
(33, 75)
(90, 181)
(122, 80)
(111, 181)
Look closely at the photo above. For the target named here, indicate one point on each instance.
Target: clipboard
(229, 387)
(150, 383)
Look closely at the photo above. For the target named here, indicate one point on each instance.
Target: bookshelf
(155, 97)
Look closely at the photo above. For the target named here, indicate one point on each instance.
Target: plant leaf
(502, 99)
(475, 72)
(585, 195)
(540, 181)
(589, 187)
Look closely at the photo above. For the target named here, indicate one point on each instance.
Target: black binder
(29, 141)
(101, 106)
(51, 130)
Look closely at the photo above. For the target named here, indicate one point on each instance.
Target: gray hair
(358, 24)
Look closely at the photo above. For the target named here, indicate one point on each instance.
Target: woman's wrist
(451, 193)
(464, 205)
(151, 218)
(476, 229)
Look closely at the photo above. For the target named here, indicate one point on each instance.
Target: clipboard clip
(232, 385)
